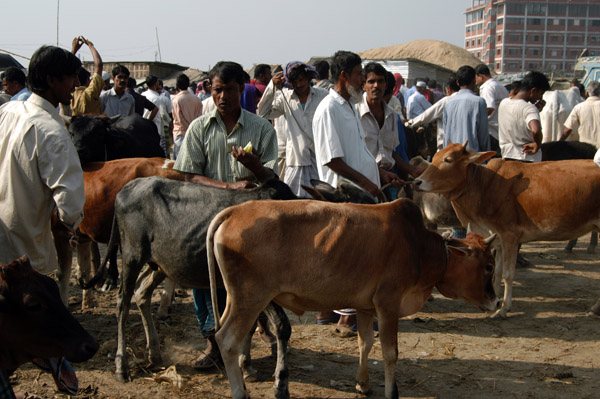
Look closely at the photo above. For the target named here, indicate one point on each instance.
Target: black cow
(100, 139)
(561, 150)
(34, 323)
(164, 223)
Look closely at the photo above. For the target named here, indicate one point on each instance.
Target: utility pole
(158, 43)
(57, 13)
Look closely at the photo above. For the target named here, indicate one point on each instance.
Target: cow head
(451, 169)
(89, 135)
(345, 192)
(276, 189)
(33, 320)
(470, 271)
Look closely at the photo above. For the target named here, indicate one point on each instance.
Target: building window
(500, 21)
(577, 9)
(554, 38)
(497, 51)
(534, 21)
(532, 65)
(514, 38)
(479, 42)
(468, 29)
(497, 65)
(557, 9)
(594, 10)
(596, 22)
(513, 65)
(534, 51)
(535, 38)
(514, 8)
(574, 39)
(515, 21)
(467, 44)
(514, 51)
(479, 55)
(472, 43)
(499, 38)
(536, 9)
(554, 53)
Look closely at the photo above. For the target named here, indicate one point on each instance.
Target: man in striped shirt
(212, 153)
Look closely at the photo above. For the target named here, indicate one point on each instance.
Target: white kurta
(39, 170)
(338, 133)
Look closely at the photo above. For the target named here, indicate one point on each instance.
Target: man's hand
(531, 148)
(540, 105)
(250, 160)
(278, 80)
(388, 177)
(240, 185)
(76, 45)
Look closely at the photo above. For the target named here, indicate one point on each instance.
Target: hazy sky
(198, 33)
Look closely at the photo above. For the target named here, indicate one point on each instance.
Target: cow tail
(111, 249)
(210, 253)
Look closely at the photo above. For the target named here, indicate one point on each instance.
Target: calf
(34, 323)
(522, 202)
(307, 255)
(102, 182)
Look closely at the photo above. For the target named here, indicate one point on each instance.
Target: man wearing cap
(417, 103)
(297, 106)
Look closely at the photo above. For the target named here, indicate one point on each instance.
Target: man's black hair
(535, 80)
(296, 72)
(452, 83)
(83, 76)
(120, 69)
(322, 68)
(50, 61)
(228, 71)
(465, 75)
(246, 77)
(261, 69)
(482, 69)
(14, 74)
(390, 82)
(151, 80)
(374, 67)
(183, 82)
(343, 61)
(131, 83)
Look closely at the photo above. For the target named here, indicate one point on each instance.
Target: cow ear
(481, 157)
(459, 250)
(114, 119)
(313, 193)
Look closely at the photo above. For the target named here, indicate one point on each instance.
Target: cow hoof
(250, 374)
(363, 387)
(88, 304)
(591, 250)
(122, 376)
(568, 250)
(500, 314)
(109, 285)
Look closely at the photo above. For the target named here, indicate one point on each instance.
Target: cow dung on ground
(547, 348)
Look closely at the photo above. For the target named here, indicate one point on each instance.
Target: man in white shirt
(380, 122)
(586, 117)
(164, 117)
(340, 147)
(493, 93)
(435, 113)
(297, 106)
(417, 103)
(520, 130)
(40, 173)
(186, 108)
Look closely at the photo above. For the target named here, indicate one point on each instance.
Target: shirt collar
(363, 107)
(462, 91)
(45, 105)
(217, 116)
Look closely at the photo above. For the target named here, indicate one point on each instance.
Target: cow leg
(166, 299)
(593, 243)
(388, 336)
(230, 339)
(84, 263)
(595, 310)
(245, 361)
(497, 279)
(65, 262)
(364, 321)
(131, 270)
(509, 261)
(283, 331)
(147, 283)
(113, 274)
(96, 258)
(570, 245)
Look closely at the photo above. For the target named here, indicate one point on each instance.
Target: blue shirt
(23, 95)
(416, 105)
(401, 149)
(465, 118)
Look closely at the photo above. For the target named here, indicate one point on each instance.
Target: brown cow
(102, 182)
(522, 202)
(309, 255)
(34, 323)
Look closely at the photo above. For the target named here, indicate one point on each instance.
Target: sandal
(207, 362)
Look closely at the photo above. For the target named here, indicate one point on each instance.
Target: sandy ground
(547, 348)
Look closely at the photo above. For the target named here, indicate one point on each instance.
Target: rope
(11, 53)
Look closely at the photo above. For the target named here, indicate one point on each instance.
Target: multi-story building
(543, 35)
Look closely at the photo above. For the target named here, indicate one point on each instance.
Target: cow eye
(489, 268)
(448, 159)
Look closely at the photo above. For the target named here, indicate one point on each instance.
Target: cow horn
(114, 119)
(490, 239)
(464, 146)
(469, 228)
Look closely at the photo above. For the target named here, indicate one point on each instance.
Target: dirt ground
(547, 348)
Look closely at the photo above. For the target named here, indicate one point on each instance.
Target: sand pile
(432, 51)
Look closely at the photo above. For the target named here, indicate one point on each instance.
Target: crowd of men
(328, 122)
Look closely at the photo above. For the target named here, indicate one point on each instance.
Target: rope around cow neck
(468, 184)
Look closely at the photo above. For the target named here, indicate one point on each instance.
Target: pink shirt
(186, 108)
